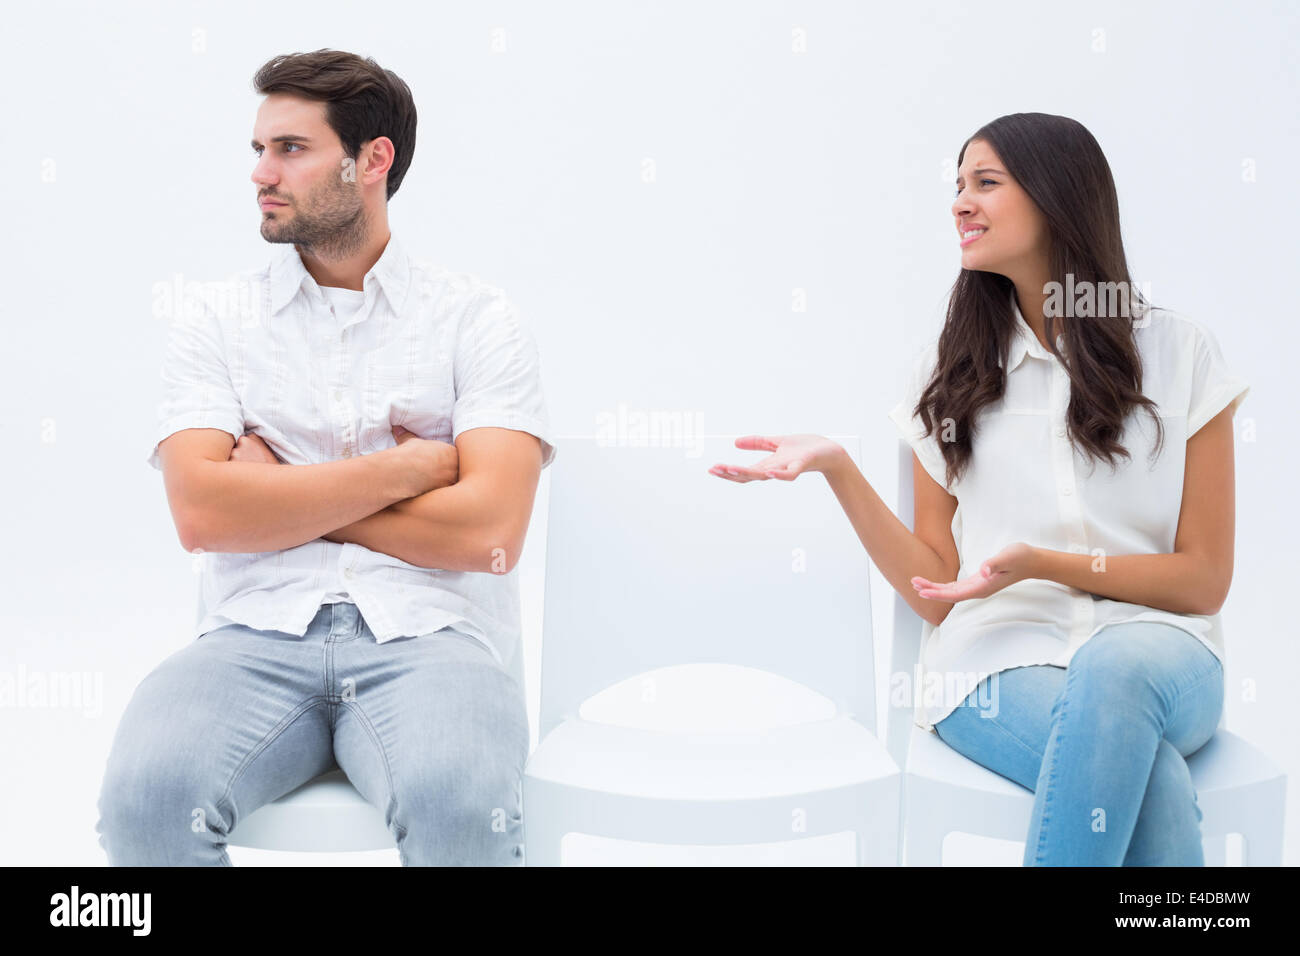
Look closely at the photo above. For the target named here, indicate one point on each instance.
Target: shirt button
(338, 395)
(1067, 490)
(1060, 433)
(347, 572)
(1078, 548)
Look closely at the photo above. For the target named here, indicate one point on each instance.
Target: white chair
(324, 815)
(1238, 788)
(654, 563)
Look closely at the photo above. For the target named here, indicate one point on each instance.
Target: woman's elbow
(934, 612)
(1214, 594)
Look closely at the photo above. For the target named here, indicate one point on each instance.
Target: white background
(126, 161)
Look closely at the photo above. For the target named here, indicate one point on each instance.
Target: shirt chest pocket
(418, 396)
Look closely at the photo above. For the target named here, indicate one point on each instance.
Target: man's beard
(337, 228)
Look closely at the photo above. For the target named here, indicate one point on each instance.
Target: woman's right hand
(792, 455)
(428, 463)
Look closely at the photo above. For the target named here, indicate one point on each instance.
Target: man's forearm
(1180, 583)
(249, 506)
(450, 528)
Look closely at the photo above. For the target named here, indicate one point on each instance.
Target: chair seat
(1238, 789)
(654, 764)
(324, 815)
(929, 757)
(1226, 762)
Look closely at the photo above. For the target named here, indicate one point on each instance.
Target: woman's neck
(1031, 298)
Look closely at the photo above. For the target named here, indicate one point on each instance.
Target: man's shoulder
(454, 292)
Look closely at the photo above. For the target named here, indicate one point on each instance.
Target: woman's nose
(961, 206)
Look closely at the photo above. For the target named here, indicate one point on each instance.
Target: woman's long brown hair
(1062, 168)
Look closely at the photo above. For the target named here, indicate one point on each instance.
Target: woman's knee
(1126, 660)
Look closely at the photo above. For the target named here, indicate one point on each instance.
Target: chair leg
(543, 852)
(923, 847)
(875, 848)
(1261, 845)
(1215, 848)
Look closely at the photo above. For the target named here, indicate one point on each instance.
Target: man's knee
(155, 808)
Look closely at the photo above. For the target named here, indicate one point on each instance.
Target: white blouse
(1026, 482)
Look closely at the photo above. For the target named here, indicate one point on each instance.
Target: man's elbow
(189, 533)
(503, 546)
(185, 495)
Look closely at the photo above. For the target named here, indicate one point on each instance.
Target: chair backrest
(199, 603)
(910, 632)
(653, 562)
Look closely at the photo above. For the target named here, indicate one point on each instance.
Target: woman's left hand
(1013, 563)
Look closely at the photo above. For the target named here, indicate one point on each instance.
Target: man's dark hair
(363, 100)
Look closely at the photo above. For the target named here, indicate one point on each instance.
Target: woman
(1079, 614)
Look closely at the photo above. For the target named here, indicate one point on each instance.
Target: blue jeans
(430, 729)
(1101, 744)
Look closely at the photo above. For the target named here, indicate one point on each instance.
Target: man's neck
(348, 270)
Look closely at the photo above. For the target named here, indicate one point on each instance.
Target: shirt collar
(392, 271)
(1023, 340)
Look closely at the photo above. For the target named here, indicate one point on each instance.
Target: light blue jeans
(1101, 745)
(429, 728)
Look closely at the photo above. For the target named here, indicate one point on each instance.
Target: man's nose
(262, 173)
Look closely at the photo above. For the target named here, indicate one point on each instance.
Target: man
(356, 454)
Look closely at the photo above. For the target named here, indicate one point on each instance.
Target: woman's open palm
(791, 456)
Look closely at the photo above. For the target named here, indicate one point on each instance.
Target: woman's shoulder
(1171, 338)
(1171, 328)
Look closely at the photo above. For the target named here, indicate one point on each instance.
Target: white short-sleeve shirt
(1026, 482)
(323, 376)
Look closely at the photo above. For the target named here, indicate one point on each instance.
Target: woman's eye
(982, 182)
